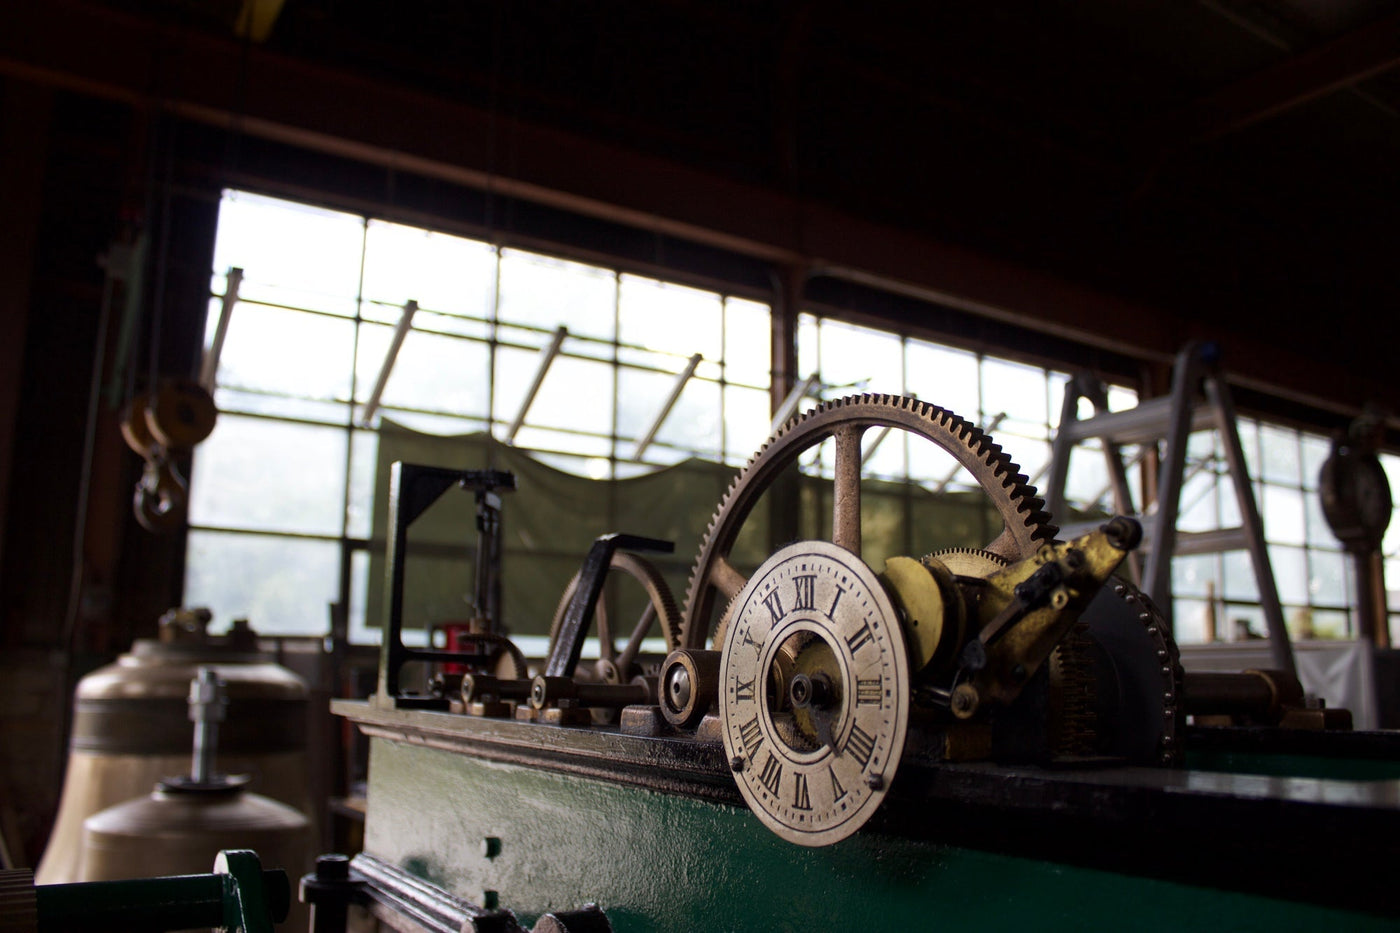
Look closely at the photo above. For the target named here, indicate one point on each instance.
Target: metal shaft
(207, 707)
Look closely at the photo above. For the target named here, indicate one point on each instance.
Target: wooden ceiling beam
(1326, 69)
(257, 92)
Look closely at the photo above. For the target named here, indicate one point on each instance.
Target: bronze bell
(131, 728)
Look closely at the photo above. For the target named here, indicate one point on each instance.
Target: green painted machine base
(531, 841)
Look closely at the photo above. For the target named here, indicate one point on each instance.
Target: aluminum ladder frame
(1173, 418)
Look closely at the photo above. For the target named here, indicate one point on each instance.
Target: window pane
(860, 359)
(1279, 455)
(943, 377)
(1017, 390)
(1190, 620)
(266, 350)
(231, 401)
(883, 456)
(808, 348)
(670, 318)
(1290, 568)
(270, 476)
(746, 422)
(747, 342)
(1195, 575)
(515, 373)
(359, 632)
(291, 254)
(1284, 515)
(440, 272)
(1319, 532)
(364, 461)
(1238, 581)
(545, 292)
(693, 424)
(1198, 503)
(537, 439)
(1315, 451)
(435, 373)
(1249, 441)
(1087, 476)
(1327, 581)
(283, 586)
(578, 395)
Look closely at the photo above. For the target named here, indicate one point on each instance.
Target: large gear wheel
(1025, 523)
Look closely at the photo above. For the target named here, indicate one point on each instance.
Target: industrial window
(282, 491)
(1019, 406)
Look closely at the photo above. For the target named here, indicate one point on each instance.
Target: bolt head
(332, 867)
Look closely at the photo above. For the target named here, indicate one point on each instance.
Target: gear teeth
(1021, 509)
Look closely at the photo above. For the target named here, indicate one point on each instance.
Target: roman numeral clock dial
(814, 693)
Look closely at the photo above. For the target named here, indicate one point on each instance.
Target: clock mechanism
(823, 674)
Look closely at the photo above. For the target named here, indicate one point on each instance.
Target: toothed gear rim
(1026, 523)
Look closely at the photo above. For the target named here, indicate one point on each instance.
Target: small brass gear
(1025, 522)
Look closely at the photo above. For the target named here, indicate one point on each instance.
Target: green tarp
(553, 517)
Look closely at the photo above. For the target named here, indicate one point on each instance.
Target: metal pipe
(209, 369)
(546, 360)
(180, 902)
(208, 705)
(1259, 695)
(387, 367)
(681, 379)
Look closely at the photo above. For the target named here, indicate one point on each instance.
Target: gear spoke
(845, 502)
(725, 578)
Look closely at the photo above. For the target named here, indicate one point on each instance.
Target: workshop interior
(561, 466)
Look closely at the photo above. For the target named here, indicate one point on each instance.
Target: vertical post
(785, 494)
(1373, 615)
(208, 706)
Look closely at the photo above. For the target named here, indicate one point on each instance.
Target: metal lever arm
(563, 658)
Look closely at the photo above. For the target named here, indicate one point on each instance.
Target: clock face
(814, 693)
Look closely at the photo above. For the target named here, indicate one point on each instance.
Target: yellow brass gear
(931, 610)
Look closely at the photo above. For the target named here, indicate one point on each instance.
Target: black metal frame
(413, 488)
